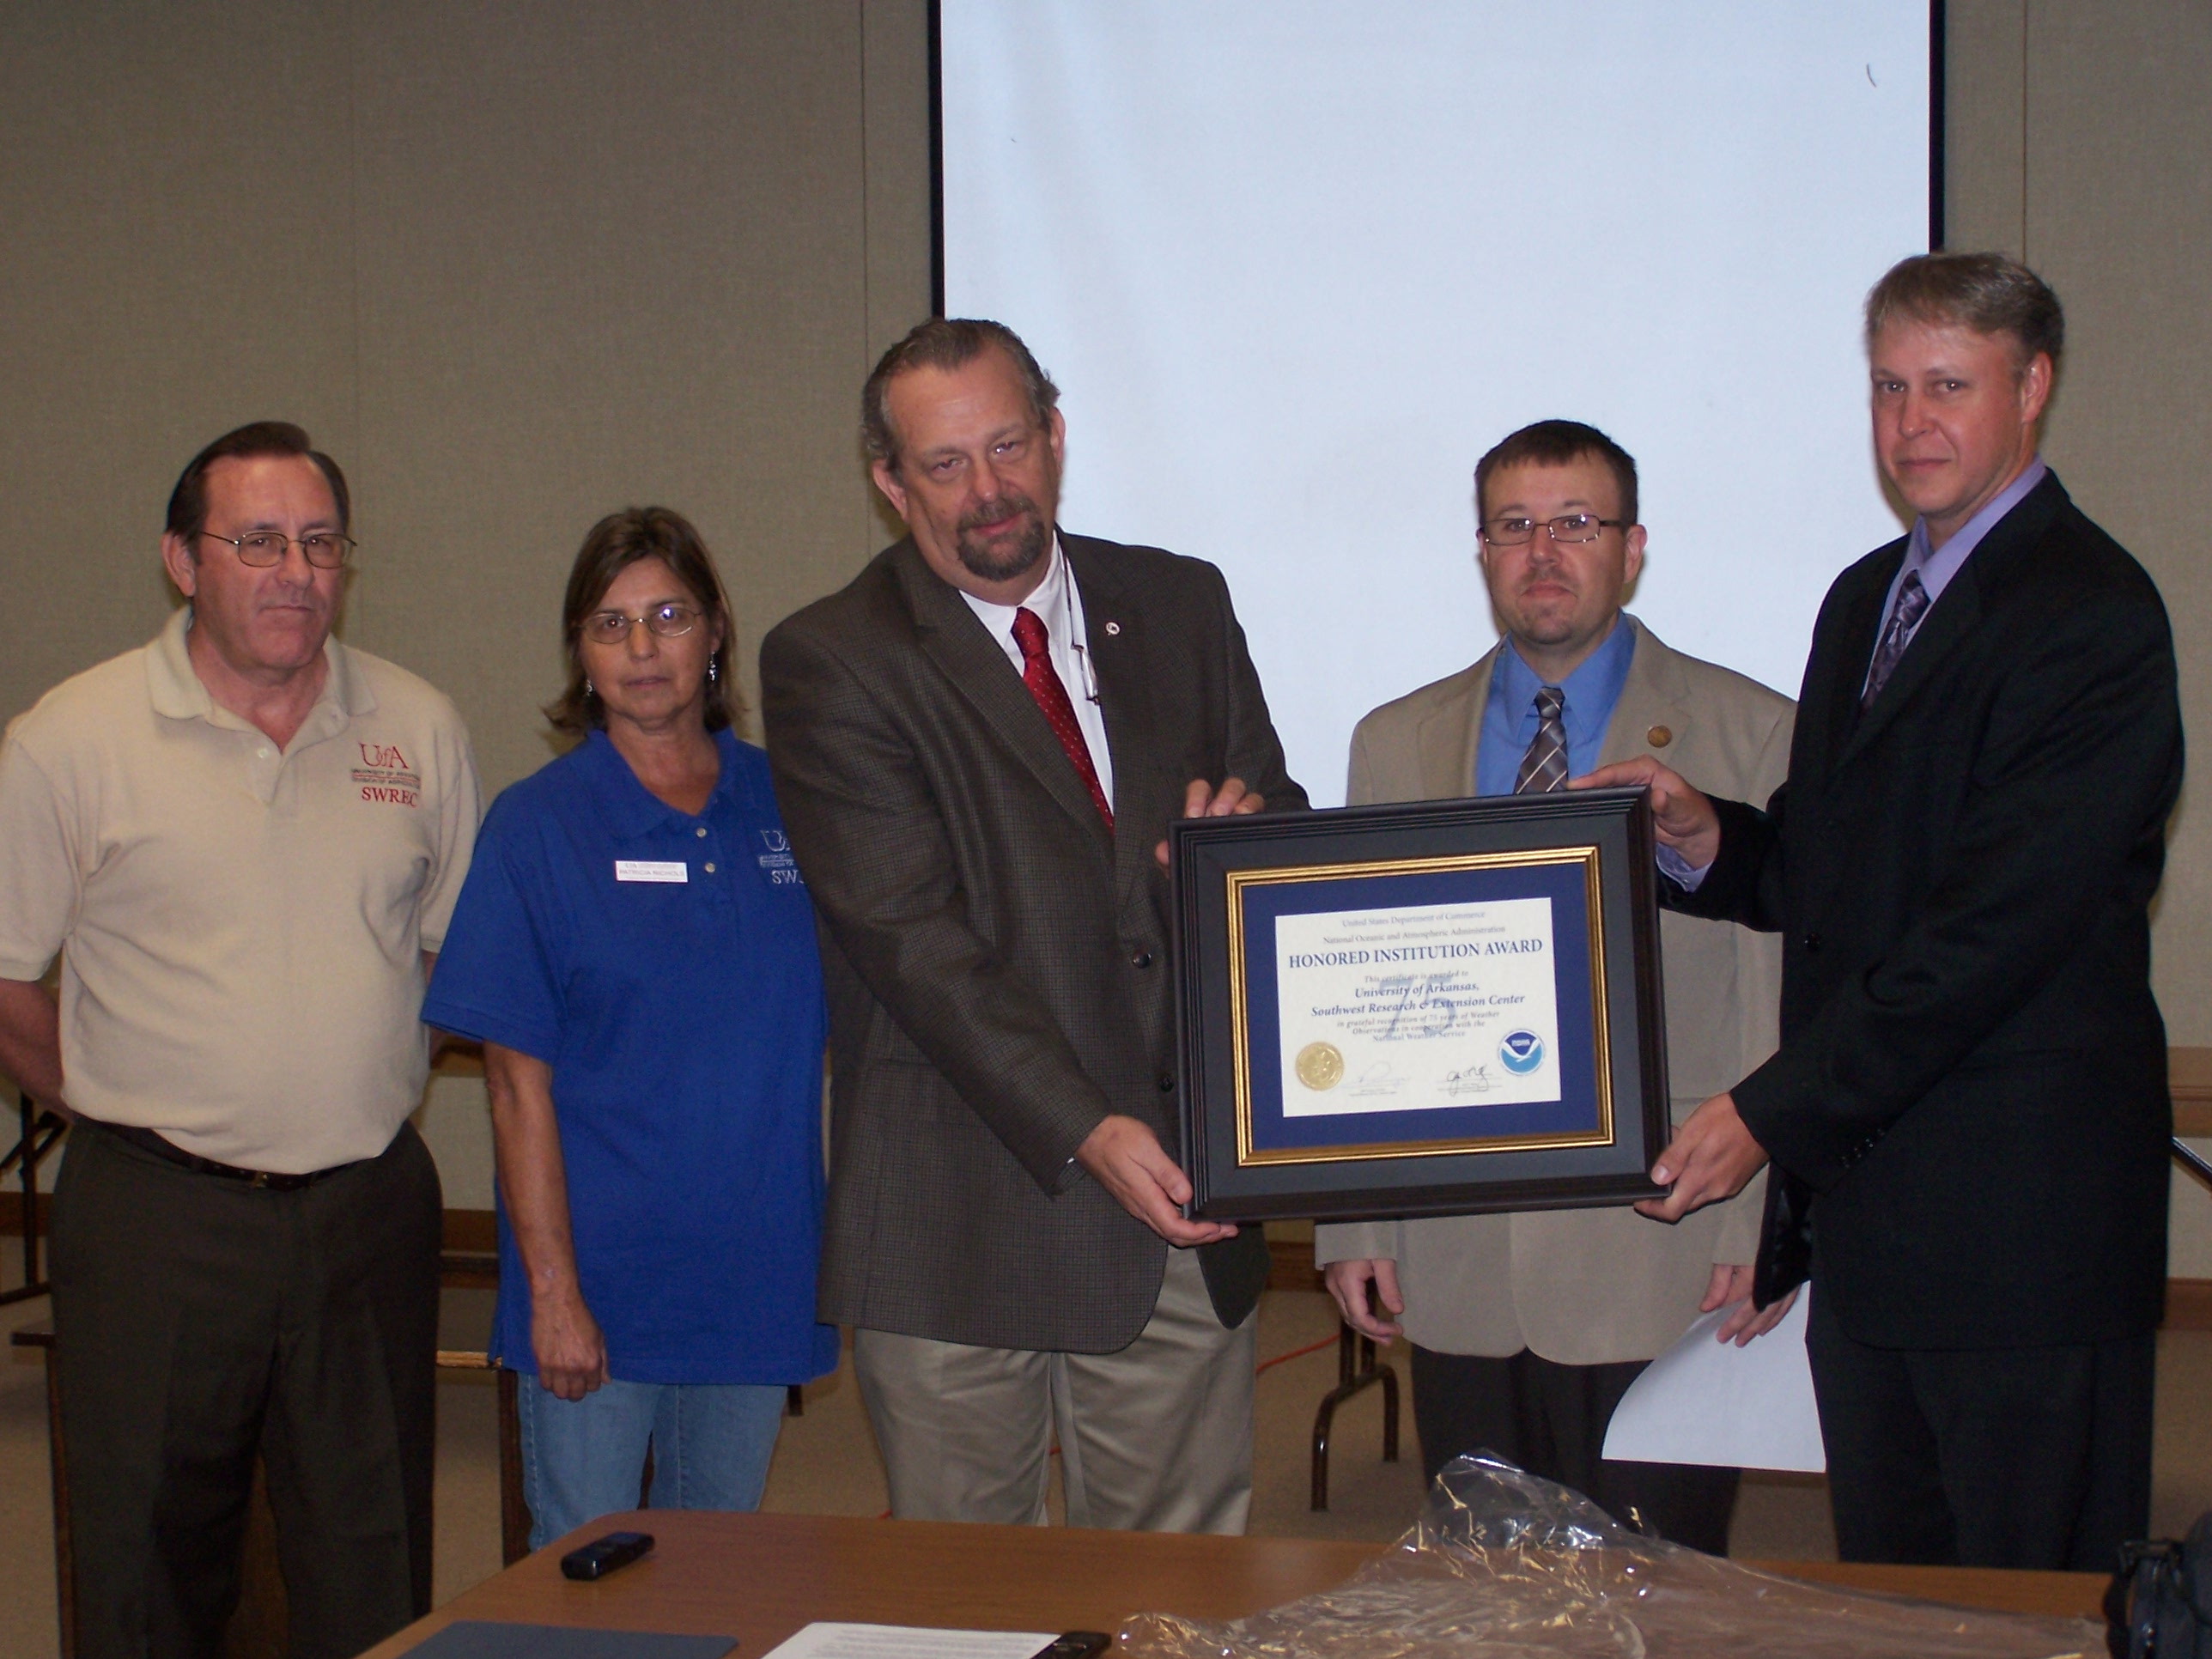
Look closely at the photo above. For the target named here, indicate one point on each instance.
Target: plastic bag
(1504, 1564)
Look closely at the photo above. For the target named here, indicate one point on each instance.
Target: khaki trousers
(1156, 1437)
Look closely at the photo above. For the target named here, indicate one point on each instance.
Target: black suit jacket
(997, 962)
(1969, 1108)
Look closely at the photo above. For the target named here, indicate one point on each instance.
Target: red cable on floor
(1294, 1353)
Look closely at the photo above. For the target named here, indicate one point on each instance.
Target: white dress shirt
(1058, 605)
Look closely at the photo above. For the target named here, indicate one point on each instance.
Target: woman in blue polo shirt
(635, 950)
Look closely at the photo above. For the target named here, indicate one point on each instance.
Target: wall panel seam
(2026, 10)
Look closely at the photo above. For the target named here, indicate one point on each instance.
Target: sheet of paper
(824, 1641)
(1414, 1009)
(1703, 1401)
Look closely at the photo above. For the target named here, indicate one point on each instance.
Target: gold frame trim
(1240, 1022)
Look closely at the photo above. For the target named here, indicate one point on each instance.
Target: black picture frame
(1471, 1121)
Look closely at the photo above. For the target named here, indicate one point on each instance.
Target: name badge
(652, 870)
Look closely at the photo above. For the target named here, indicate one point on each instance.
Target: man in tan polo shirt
(244, 840)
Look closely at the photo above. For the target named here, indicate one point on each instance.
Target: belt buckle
(258, 1178)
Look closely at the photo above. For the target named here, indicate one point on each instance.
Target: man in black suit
(977, 746)
(1968, 1113)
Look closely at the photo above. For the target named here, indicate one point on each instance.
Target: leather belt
(146, 1141)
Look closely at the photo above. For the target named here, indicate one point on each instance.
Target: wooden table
(760, 1578)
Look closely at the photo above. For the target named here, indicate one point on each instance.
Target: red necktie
(1052, 697)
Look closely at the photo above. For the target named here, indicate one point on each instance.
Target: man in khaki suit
(1527, 1328)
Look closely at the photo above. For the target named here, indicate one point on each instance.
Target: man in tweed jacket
(978, 745)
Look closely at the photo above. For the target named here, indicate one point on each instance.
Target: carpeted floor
(826, 1464)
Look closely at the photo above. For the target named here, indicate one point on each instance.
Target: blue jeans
(585, 1458)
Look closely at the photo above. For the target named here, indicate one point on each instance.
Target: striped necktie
(1912, 603)
(1544, 768)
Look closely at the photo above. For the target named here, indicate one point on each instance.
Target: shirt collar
(632, 809)
(1591, 689)
(178, 694)
(1936, 568)
(1050, 600)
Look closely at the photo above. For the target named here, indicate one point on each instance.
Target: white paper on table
(1704, 1401)
(831, 1641)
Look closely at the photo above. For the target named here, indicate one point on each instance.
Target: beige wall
(2079, 139)
(513, 265)
(516, 264)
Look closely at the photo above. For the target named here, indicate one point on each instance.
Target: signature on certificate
(1467, 1080)
(1377, 1082)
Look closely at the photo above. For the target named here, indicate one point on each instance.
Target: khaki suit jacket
(1588, 1287)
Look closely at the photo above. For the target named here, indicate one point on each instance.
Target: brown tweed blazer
(997, 962)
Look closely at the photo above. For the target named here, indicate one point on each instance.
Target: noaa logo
(1522, 1052)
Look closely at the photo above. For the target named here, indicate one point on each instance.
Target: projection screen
(1297, 264)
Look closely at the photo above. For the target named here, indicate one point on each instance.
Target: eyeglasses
(666, 622)
(326, 550)
(1567, 527)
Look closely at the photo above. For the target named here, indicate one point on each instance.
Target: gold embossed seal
(1320, 1066)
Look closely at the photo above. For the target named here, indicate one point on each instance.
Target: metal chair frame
(1356, 1369)
(42, 1131)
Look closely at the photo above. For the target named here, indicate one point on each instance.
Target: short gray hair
(1987, 293)
(947, 343)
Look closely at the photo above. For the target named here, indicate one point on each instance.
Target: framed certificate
(1427, 1008)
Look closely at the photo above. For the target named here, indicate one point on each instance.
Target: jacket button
(1659, 737)
(1811, 941)
(1141, 959)
(1167, 1083)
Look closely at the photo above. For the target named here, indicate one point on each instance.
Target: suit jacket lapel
(955, 639)
(1949, 620)
(1652, 695)
(1953, 617)
(1451, 733)
(1115, 636)
(1857, 632)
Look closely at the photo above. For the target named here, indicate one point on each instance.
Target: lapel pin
(1113, 628)
(1659, 737)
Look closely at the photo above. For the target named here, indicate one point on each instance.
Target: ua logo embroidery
(385, 775)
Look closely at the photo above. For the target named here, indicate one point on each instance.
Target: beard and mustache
(1005, 559)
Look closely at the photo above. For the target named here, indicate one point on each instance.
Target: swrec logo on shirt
(782, 868)
(384, 775)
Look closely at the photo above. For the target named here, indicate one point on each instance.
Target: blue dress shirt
(1510, 718)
